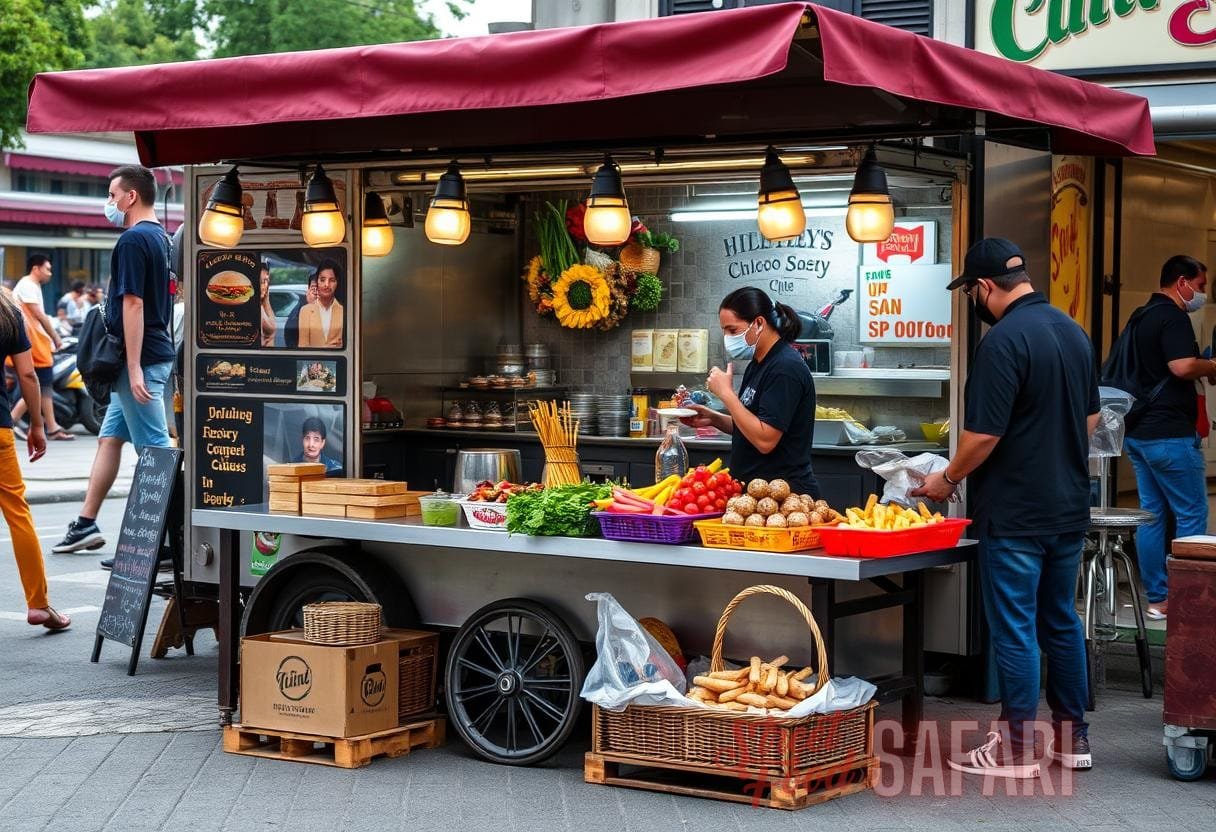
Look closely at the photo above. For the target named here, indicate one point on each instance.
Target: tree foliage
(249, 27)
(34, 37)
(134, 32)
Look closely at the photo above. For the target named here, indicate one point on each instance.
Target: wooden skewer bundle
(558, 431)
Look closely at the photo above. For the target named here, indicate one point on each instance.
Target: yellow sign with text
(1071, 223)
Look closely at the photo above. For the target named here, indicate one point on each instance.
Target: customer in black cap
(1031, 403)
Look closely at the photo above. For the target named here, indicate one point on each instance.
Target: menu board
(124, 612)
(905, 305)
(271, 374)
(237, 437)
(272, 299)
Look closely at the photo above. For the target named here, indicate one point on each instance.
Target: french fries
(759, 685)
(890, 517)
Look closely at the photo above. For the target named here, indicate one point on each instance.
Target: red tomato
(711, 493)
(698, 488)
(720, 504)
(703, 503)
(683, 495)
(701, 473)
(737, 487)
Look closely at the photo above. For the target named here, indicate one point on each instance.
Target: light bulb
(781, 216)
(323, 225)
(871, 218)
(607, 221)
(448, 222)
(220, 229)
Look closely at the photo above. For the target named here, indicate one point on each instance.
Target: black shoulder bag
(100, 355)
(1124, 371)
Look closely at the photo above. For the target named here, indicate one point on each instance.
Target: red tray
(871, 543)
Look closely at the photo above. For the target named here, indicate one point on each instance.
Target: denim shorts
(143, 425)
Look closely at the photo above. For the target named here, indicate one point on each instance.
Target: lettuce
(564, 510)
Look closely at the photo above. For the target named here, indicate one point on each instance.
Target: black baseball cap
(990, 257)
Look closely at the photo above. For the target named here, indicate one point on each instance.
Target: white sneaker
(986, 760)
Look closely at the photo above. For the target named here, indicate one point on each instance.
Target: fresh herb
(658, 240)
(648, 293)
(557, 251)
(564, 510)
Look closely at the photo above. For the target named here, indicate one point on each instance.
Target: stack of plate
(582, 407)
(612, 414)
(510, 361)
(545, 378)
(538, 356)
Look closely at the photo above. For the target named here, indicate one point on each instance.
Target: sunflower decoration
(581, 297)
(540, 290)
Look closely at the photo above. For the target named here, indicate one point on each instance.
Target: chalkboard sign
(129, 591)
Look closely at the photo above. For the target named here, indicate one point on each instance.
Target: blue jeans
(1029, 586)
(1171, 477)
(142, 425)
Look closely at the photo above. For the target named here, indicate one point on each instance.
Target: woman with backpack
(15, 343)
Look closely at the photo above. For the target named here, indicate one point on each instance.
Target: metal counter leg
(914, 656)
(1133, 581)
(229, 623)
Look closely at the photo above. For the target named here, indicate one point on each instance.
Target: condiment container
(666, 350)
(642, 350)
(439, 509)
(638, 412)
(693, 350)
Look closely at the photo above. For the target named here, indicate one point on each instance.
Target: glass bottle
(672, 456)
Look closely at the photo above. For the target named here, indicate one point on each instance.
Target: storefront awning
(761, 73)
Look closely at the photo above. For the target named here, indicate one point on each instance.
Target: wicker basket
(342, 623)
(417, 675)
(639, 259)
(738, 744)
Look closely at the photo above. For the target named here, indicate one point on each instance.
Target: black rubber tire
(517, 694)
(91, 413)
(65, 416)
(277, 602)
(1186, 764)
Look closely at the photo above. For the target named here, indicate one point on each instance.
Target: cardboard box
(291, 684)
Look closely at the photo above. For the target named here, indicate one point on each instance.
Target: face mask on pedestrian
(981, 309)
(115, 214)
(737, 346)
(1198, 299)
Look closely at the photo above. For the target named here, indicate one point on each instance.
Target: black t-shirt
(1033, 384)
(781, 392)
(13, 346)
(139, 266)
(1164, 334)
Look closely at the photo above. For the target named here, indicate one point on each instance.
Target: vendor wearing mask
(771, 420)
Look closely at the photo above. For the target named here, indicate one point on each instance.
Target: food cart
(687, 107)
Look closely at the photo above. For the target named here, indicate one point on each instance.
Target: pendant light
(223, 222)
(607, 221)
(447, 219)
(780, 214)
(377, 233)
(871, 216)
(322, 224)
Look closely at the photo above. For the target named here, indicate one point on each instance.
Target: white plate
(678, 412)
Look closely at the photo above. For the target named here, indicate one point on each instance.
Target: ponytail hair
(749, 303)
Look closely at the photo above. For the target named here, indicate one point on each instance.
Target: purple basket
(650, 528)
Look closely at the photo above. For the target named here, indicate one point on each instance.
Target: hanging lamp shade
(779, 214)
(871, 216)
(448, 221)
(322, 223)
(222, 222)
(607, 221)
(377, 233)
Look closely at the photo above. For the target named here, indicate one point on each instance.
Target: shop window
(910, 15)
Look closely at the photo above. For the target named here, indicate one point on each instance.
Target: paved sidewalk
(62, 476)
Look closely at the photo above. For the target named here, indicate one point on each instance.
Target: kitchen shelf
(879, 382)
(893, 373)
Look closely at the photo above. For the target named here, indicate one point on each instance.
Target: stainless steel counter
(410, 531)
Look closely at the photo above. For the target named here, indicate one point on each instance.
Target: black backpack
(100, 355)
(1124, 371)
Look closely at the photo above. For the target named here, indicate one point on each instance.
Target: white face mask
(115, 216)
(737, 346)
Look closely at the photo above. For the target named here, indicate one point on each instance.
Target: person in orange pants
(15, 343)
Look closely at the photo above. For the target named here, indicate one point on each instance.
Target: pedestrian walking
(44, 340)
(140, 306)
(15, 344)
(1162, 440)
(1031, 403)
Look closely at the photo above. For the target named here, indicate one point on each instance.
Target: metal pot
(474, 465)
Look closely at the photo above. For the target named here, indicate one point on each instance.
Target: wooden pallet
(772, 793)
(351, 752)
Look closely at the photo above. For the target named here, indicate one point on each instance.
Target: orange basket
(717, 535)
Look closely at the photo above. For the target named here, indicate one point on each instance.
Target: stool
(1102, 561)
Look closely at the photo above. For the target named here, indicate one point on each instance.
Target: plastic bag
(1107, 438)
(630, 666)
(901, 472)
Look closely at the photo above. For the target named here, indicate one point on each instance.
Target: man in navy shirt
(1031, 404)
(139, 305)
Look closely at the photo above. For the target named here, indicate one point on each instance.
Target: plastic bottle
(672, 456)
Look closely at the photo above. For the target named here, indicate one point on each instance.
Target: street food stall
(391, 196)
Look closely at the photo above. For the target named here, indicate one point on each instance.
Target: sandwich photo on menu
(229, 289)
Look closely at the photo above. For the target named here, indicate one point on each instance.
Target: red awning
(756, 74)
(46, 164)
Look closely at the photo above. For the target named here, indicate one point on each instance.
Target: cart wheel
(512, 682)
(1186, 763)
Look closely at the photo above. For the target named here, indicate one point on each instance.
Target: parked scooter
(73, 403)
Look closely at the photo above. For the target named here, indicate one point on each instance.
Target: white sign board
(792, 271)
(905, 305)
(1098, 34)
(911, 241)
